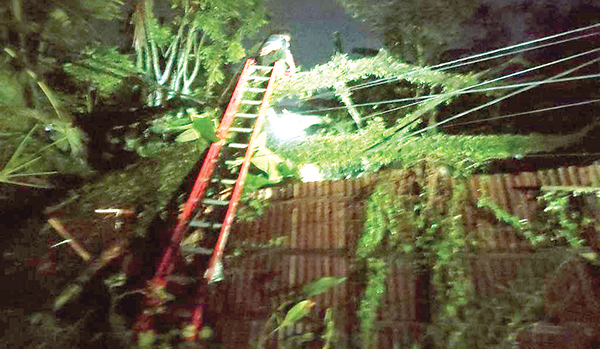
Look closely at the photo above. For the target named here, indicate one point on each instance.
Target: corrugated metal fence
(323, 222)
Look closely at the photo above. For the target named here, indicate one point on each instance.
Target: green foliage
(330, 333)
(561, 220)
(149, 184)
(381, 141)
(296, 313)
(339, 155)
(341, 70)
(102, 67)
(33, 154)
(17, 164)
(427, 226)
(369, 304)
(17, 116)
(301, 309)
(11, 91)
(432, 224)
(351, 154)
(196, 127)
(104, 10)
(272, 165)
(322, 285)
(205, 127)
(385, 212)
(190, 52)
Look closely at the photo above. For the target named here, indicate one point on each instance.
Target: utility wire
(450, 94)
(392, 79)
(525, 113)
(499, 79)
(557, 76)
(465, 60)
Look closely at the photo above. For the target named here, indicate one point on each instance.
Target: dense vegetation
(105, 102)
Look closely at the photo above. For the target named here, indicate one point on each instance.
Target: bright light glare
(310, 173)
(287, 126)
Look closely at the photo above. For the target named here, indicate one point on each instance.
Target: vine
(428, 226)
(560, 221)
(369, 305)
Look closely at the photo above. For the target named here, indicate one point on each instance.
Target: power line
(450, 94)
(501, 78)
(464, 60)
(451, 64)
(525, 113)
(484, 59)
(559, 75)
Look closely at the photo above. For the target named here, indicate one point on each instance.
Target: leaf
(205, 127)
(255, 182)
(268, 162)
(297, 312)
(322, 285)
(170, 124)
(265, 160)
(187, 136)
(11, 164)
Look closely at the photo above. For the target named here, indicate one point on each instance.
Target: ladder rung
(197, 250)
(225, 181)
(245, 115)
(202, 224)
(259, 78)
(215, 202)
(252, 89)
(237, 145)
(262, 67)
(240, 129)
(252, 102)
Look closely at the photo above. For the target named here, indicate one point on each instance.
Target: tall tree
(190, 52)
(414, 29)
(430, 31)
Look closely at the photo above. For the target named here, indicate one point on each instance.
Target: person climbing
(275, 48)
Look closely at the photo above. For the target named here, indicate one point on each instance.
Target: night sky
(312, 23)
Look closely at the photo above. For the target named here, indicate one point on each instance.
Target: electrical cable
(450, 94)
(485, 105)
(484, 59)
(524, 113)
(460, 91)
(452, 64)
(499, 79)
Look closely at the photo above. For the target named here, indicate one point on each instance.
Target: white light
(310, 173)
(287, 126)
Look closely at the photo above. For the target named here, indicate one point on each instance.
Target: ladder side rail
(239, 185)
(206, 170)
(196, 323)
(156, 287)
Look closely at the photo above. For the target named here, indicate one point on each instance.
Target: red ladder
(212, 193)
